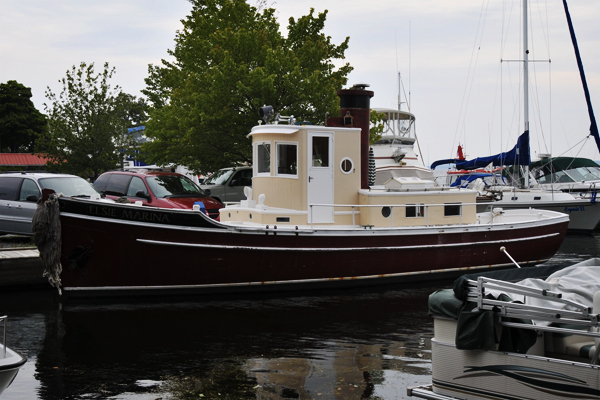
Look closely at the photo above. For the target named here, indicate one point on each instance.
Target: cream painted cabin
(299, 166)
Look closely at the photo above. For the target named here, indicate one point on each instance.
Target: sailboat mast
(525, 83)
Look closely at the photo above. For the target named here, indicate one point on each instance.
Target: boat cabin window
(346, 165)
(287, 158)
(320, 151)
(263, 158)
(452, 209)
(415, 210)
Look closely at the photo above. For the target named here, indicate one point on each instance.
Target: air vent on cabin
(282, 219)
(537, 198)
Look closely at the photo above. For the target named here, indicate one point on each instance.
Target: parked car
(227, 184)
(156, 188)
(20, 191)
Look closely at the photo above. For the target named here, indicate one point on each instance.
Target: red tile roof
(21, 159)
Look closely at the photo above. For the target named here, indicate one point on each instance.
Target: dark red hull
(116, 255)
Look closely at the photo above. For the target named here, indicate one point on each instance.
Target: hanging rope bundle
(372, 170)
(46, 230)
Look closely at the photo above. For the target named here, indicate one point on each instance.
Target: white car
(20, 191)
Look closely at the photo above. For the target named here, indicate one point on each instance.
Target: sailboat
(583, 211)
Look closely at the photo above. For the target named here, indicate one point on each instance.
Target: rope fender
(46, 236)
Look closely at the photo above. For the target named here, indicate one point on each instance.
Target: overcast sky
(448, 52)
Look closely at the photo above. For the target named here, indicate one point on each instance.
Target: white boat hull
(498, 375)
(9, 366)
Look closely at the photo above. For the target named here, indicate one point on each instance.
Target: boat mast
(525, 84)
(586, 91)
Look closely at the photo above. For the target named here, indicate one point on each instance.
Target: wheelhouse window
(263, 158)
(415, 210)
(287, 159)
(452, 209)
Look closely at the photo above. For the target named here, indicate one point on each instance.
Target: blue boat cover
(464, 180)
(519, 155)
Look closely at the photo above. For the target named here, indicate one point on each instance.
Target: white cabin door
(320, 176)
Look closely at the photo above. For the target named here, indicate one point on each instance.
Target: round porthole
(386, 212)
(347, 166)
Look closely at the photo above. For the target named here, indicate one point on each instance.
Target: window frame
(418, 209)
(450, 206)
(277, 154)
(256, 164)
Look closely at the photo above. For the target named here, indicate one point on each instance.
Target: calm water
(338, 345)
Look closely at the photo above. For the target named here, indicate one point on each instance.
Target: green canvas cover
(443, 302)
(556, 164)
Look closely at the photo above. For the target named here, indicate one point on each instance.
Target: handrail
(578, 314)
(392, 206)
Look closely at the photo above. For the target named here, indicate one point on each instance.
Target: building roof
(21, 159)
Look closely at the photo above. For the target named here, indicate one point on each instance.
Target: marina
(345, 267)
(269, 347)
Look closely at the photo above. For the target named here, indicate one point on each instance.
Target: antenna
(398, 70)
(409, 62)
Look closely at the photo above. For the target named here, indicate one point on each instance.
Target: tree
(376, 129)
(88, 123)
(230, 60)
(20, 121)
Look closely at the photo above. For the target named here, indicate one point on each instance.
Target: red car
(156, 189)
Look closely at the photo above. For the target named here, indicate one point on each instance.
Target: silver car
(227, 184)
(20, 191)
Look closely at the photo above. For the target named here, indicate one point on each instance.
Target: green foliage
(376, 129)
(20, 121)
(88, 121)
(230, 60)
(226, 380)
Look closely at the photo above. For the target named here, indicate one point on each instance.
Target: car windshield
(173, 186)
(70, 186)
(219, 177)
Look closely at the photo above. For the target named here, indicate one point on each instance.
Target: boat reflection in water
(351, 346)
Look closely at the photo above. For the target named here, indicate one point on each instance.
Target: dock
(21, 268)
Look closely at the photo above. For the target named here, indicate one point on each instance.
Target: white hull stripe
(330, 249)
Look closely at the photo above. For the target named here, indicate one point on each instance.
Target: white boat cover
(577, 283)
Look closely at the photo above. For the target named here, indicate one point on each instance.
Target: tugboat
(311, 220)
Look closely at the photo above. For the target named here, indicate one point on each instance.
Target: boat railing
(585, 320)
(426, 207)
(3, 319)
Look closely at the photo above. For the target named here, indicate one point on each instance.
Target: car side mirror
(207, 191)
(141, 193)
(32, 197)
(234, 182)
